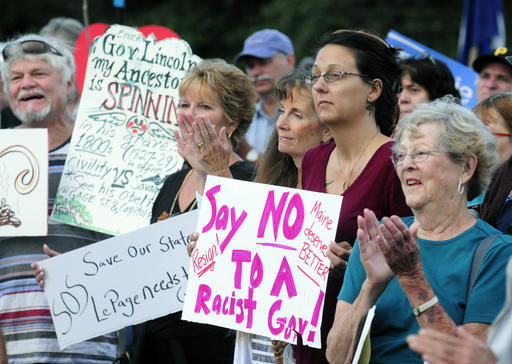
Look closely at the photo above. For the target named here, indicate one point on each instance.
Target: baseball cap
(501, 55)
(265, 43)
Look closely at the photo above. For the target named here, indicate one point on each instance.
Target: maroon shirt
(378, 188)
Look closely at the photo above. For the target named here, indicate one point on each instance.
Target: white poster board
(23, 182)
(364, 335)
(123, 144)
(260, 265)
(121, 281)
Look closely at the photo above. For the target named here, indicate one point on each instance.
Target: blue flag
(482, 29)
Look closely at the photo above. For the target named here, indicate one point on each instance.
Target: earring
(460, 188)
(229, 135)
(371, 108)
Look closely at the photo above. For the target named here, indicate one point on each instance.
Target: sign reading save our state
(120, 281)
(123, 144)
(260, 264)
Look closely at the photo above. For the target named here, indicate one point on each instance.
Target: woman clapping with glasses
(416, 270)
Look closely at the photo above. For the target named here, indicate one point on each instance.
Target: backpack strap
(478, 258)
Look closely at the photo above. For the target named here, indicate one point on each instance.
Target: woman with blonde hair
(215, 110)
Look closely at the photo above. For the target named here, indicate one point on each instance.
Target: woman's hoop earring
(460, 188)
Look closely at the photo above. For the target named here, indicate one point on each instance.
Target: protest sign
(123, 144)
(23, 182)
(121, 281)
(261, 265)
(465, 77)
(86, 37)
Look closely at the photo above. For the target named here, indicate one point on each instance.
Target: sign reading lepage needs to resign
(121, 281)
(123, 144)
(260, 264)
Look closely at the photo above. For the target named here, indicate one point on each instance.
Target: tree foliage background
(218, 28)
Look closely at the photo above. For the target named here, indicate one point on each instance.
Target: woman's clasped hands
(198, 142)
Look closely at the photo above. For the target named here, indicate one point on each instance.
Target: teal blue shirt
(477, 201)
(447, 267)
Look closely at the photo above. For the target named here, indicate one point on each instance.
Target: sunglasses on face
(29, 47)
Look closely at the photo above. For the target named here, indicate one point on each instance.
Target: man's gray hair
(64, 64)
(64, 29)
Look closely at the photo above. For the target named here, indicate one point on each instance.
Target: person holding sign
(416, 270)
(39, 74)
(298, 129)
(216, 108)
(354, 80)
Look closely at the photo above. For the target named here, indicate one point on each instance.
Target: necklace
(179, 192)
(346, 183)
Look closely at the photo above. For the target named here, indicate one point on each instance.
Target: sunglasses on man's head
(29, 47)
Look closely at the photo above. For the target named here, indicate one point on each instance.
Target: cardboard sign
(94, 30)
(122, 145)
(23, 182)
(465, 77)
(120, 281)
(260, 265)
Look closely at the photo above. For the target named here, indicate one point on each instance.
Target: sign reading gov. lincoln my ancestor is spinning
(122, 145)
(260, 264)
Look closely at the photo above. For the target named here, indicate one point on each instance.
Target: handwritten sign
(465, 77)
(120, 281)
(261, 263)
(122, 145)
(23, 182)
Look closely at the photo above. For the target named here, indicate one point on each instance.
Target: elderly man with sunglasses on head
(38, 75)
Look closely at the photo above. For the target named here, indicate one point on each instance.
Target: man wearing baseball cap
(494, 73)
(267, 55)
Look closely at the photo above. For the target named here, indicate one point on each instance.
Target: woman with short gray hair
(462, 134)
(416, 270)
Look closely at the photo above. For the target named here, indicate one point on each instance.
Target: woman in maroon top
(355, 80)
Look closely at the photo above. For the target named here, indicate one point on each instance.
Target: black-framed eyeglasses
(419, 156)
(29, 47)
(330, 76)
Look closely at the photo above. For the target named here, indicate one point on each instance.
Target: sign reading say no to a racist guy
(260, 264)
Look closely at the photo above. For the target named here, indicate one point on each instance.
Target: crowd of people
(389, 135)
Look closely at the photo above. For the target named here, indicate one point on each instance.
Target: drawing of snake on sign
(24, 183)
(27, 179)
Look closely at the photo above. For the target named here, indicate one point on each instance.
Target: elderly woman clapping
(416, 270)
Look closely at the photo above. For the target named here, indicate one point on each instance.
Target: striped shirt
(25, 317)
(262, 351)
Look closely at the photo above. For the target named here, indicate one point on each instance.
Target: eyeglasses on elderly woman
(418, 156)
(29, 47)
